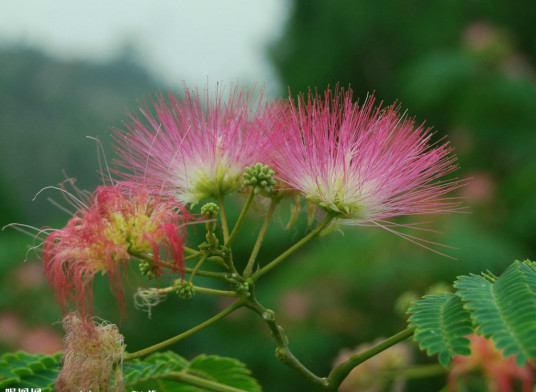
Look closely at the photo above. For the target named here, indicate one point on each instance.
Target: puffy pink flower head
(120, 221)
(197, 146)
(361, 163)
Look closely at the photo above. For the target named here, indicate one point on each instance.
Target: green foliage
(503, 309)
(18, 370)
(441, 326)
(170, 366)
(23, 370)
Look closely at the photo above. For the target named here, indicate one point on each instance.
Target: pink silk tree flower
(119, 222)
(363, 164)
(196, 146)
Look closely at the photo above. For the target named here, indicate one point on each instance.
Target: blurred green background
(466, 67)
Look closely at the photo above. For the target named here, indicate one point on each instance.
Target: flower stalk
(240, 220)
(251, 262)
(223, 217)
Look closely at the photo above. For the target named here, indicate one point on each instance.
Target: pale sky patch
(194, 41)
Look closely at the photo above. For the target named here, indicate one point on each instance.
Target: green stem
(293, 248)
(199, 289)
(167, 264)
(190, 332)
(190, 250)
(260, 238)
(197, 266)
(282, 352)
(221, 293)
(337, 375)
(414, 372)
(224, 222)
(207, 274)
(192, 256)
(200, 382)
(229, 241)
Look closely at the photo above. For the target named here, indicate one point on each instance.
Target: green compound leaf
(169, 372)
(23, 370)
(441, 324)
(504, 310)
(164, 372)
(228, 371)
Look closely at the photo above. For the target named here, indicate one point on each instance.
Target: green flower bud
(242, 288)
(148, 269)
(210, 210)
(184, 289)
(260, 177)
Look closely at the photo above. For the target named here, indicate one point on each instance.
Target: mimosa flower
(360, 163)
(198, 146)
(120, 221)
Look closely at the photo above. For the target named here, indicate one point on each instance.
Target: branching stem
(282, 351)
(190, 332)
(293, 248)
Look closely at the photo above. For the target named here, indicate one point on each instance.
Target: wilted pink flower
(93, 356)
(198, 146)
(360, 163)
(120, 221)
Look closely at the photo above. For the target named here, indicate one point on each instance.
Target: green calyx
(260, 177)
(184, 289)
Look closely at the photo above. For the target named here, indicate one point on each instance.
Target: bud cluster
(210, 210)
(260, 177)
(149, 270)
(243, 288)
(184, 289)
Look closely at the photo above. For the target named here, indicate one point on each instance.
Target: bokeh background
(68, 70)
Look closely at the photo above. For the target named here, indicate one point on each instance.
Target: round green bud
(210, 210)
(184, 289)
(260, 177)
